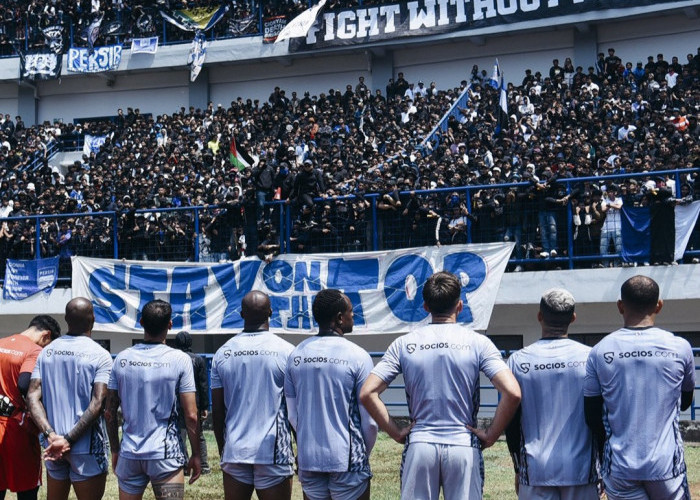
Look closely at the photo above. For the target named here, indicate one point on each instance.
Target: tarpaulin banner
(361, 25)
(385, 288)
(24, 278)
(39, 66)
(81, 60)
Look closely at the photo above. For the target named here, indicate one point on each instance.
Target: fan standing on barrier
(20, 453)
(638, 379)
(551, 446)
(249, 410)
(335, 434)
(66, 398)
(146, 381)
(440, 364)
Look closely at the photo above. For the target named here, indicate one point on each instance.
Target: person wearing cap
(553, 456)
(183, 342)
(612, 225)
(308, 184)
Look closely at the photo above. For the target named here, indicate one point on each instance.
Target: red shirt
(17, 355)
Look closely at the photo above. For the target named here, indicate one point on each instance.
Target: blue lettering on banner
(109, 307)
(310, 275)
(189, 288)
(365, 276)
(278, 276)
(300, 317)
(278, 303)
(81, 60)
(395, 287)
(472, 267)
(235, 289)
(146, 281)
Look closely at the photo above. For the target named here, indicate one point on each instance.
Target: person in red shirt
(20, 453)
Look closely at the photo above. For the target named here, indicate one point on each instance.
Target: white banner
(686, 217)
(82, 60)
(384, 287)
(144, 45)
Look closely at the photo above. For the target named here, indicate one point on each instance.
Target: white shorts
(133, 475)
(334, 485)
(626, 489)
(261, 476)
(78, 467)
(580, 492)
(426, 467)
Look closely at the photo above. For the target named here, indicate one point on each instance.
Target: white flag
(300, 25)
(686, 216)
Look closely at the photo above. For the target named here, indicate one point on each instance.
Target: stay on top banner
(385, 288)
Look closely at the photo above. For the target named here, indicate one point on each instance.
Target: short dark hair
(46, 322)
(441, 292)
(640, 293)
(327, 304)
(155, 317)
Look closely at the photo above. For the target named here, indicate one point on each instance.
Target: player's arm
(188, 402)
(506, 384)
(593, 411)
(686, 399)
(368, 424)
(91, 413)
(111, 408)
(513, 438)
(369, 396)
(202, 387)
(36, 407)
(218, 415)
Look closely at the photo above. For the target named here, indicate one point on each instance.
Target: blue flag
(636, 234)
(24, 278)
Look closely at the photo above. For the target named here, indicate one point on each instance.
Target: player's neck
(437, 319)
(79, 334)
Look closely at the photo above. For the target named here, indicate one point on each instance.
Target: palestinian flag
(239, 158)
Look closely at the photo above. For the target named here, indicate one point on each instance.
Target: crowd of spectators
(331, 156)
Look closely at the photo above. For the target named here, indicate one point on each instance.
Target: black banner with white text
(403, 19)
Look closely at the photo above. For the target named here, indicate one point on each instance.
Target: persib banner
(82, 60)
(24, 278)
(385, 288)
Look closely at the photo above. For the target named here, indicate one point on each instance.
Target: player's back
(324, 375)
(556, 444)
(17, 352)
(440, 365)
(250, 369)
(68, 369)
(149, 378)
(640, 373)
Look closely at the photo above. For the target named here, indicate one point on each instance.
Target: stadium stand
(388, 175)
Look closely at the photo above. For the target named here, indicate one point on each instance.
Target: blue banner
(81, 60)
(24, 278)
(636, 234)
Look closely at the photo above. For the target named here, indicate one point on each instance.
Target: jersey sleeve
(215, 378)
(591, 383)
(104, 369)
(36, 372)
(390, 365)
(490, 361)
(688, 383)
(187, 375)
(30, 361)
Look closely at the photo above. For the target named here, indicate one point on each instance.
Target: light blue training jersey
(640, 374)
(250, 369)
(149, 379)
(68, 368)
(440, 365)
(556, 447)
(324, 375)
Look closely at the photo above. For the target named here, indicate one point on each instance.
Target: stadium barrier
(375, 221)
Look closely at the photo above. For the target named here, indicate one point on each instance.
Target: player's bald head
(640, 294)
(80, 315)
(255, 307)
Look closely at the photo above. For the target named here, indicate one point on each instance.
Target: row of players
(571, 414)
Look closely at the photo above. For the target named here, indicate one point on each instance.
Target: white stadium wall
(8, 98)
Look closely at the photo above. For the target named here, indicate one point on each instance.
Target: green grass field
(386, 458)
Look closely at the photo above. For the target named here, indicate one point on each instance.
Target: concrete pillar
(199, 90)
(382, 69)
(27, 104)
(585, 45)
